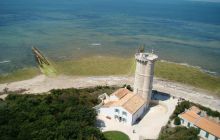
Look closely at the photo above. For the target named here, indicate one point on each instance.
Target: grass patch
(115, 135)
(187, 75)
(95, 66)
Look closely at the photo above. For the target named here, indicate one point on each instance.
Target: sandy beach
(41, 83)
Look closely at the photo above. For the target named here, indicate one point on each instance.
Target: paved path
(149, 127)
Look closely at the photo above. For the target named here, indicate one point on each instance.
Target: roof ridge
(128, 100)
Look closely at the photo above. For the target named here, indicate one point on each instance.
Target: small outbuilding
(208, 129)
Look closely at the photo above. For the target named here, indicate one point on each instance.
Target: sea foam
(5, 61)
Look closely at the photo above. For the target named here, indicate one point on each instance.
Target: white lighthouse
(144, 75)
(124, 105)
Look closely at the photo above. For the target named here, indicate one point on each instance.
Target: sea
(180, 31)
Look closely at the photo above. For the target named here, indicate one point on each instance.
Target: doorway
(120, 119)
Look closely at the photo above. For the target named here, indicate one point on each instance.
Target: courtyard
(148, 127)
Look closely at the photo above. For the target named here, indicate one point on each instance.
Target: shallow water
(181, 31)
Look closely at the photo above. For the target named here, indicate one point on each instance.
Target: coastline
(114, 66)
(211, 73)
(42, 84)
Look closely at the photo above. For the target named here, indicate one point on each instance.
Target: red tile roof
(127, 99)
(201, 122)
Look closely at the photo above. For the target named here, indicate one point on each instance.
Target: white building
(208, 129)
(123, 106)
(126, 106)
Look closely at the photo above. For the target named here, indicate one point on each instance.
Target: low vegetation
(180, 108)
(186, 105)
(188, 75)
(96, 66)
(63, 114)
(115, 135)
(177, 121)
(178, 133)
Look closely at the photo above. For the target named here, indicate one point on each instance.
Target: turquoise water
(181, 31)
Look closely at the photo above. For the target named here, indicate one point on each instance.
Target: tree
(63, 114)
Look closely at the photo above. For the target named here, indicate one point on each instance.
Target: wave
(212, 73)
(5, 61)
(96, 44)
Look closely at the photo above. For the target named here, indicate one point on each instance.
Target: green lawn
(115, 135)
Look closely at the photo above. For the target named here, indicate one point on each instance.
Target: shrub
(180, 108)
(128, 87)
(178, 133)
(186, 105)
(177, 121)
(209, 111)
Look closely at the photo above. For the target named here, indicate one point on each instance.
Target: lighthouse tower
(144, 74)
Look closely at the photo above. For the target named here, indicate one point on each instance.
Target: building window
(207, 135)
(124, 120)
(188, 124)
(182, 121)
(116, 110)
(124, 113)
(116, 117)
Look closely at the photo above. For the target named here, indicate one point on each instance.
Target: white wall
(202, 134)
(185, 123)
(138, 81)
(130, 118)
(110, 111)
(139, 113)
